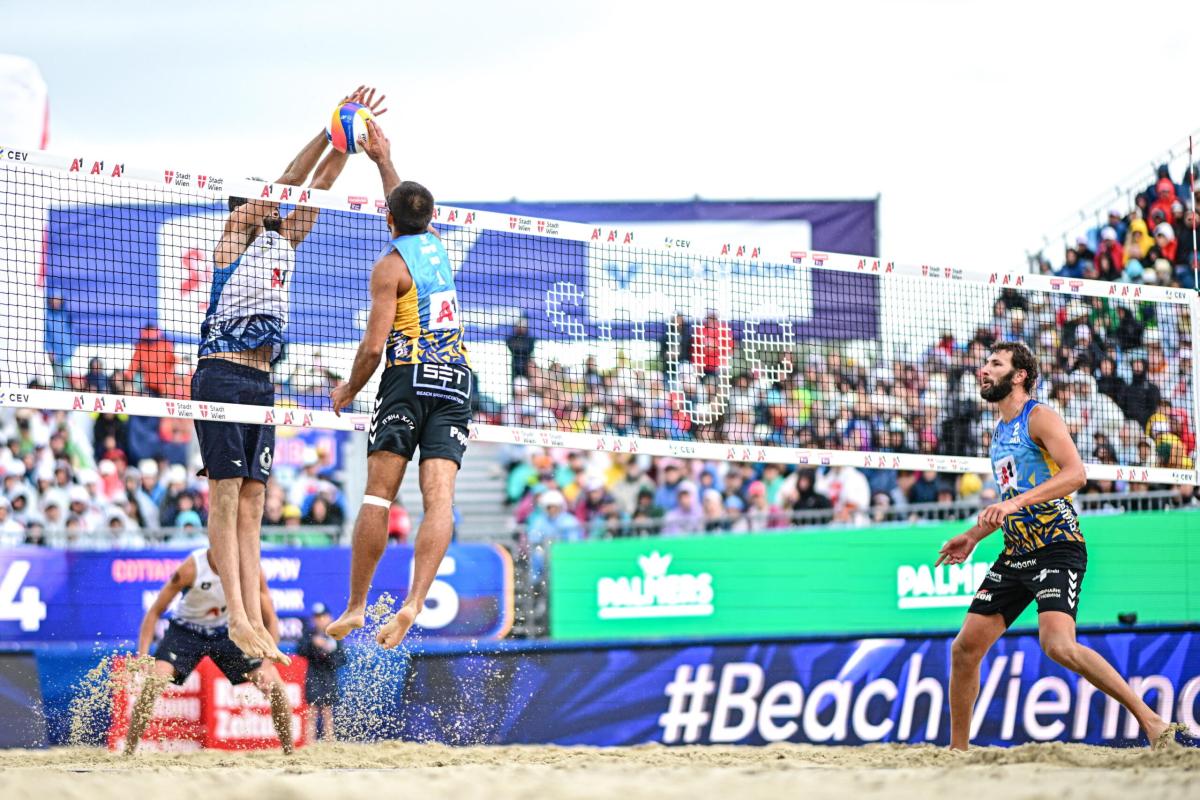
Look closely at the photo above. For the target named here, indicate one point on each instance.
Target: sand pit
(896, 772)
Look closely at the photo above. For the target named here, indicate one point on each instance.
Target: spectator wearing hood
(1110, 246)
(1164, 199)
(1072, 267)
(1164, 243)
(1141, 397)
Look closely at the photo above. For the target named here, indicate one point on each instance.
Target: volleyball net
(589, 337)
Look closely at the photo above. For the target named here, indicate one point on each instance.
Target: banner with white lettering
(821, 692)
(100, 597)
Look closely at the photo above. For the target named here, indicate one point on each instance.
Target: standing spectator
(60, 340)
(712, 345)
(520, 346)
(96, 379)
(153, 362)
(675, 344)
(325, 656)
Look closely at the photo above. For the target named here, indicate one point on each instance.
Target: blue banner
(100, 597)
(845, 692)
(160, 270)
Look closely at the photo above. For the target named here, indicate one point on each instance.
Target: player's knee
(967, 648)
(1060, 650)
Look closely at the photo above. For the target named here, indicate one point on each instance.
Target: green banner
(835, 581)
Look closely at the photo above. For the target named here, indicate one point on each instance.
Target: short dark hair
(234, 202)
(411, 207)
(1022, 358)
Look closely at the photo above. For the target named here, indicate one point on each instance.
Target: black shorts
(321, 687)
(234, 449)
(425, 405)
(1051, 575)
(182, 647)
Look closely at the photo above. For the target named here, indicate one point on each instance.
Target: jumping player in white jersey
(241, 337)
(199, 629)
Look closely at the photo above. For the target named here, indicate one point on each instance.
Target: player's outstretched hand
(367, 98)
(955, 551)
(376, 145)
(341, 397)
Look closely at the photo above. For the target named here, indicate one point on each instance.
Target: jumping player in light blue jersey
(242, 335)
(424, 396)
(1037, 467)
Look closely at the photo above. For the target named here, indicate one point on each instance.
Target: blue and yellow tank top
(1019, 463)
(428, 326)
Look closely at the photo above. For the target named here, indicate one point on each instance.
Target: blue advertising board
(822, 692)
(100, 597)
(158, 270)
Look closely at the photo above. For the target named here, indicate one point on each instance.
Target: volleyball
(348, 126)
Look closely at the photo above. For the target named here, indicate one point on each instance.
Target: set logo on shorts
(449, 381)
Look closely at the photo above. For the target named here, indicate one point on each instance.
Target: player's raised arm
(298, 224)
(379, 149)
(389, 279)
(184, 576)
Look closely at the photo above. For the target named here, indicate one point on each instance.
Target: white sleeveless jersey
(248, 303)
(203, 603)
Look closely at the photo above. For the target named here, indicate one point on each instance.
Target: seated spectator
(687, 516)
(552, 524)
(399, 523)
(646, 519)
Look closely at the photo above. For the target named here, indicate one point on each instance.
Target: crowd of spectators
(68, 479)
(1150, 243)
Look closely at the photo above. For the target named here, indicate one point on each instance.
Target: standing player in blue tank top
(424, 398)
(1037, 467)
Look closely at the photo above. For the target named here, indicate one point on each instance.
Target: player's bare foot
(1162, 733)
(273, 653)
(394, 630)
(351, 620)
(247, 639)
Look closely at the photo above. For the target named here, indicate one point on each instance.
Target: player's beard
(998, 390)
(272, 224)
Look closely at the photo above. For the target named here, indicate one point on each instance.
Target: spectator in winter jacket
(153, 361)
(1141, 397)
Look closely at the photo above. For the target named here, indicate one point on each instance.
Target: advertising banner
(22, 719)
(559, 284)
(819, 692)
(99, 597)
(850, 581)
(208, 712)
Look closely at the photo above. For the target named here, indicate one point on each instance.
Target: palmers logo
(947, 586)
(655, 594)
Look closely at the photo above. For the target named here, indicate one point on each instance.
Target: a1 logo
(20, 603)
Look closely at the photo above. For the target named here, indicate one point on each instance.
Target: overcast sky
(981, 125)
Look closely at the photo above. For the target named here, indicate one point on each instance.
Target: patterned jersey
(1020, 464)
(248, 304)
(427, 328)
